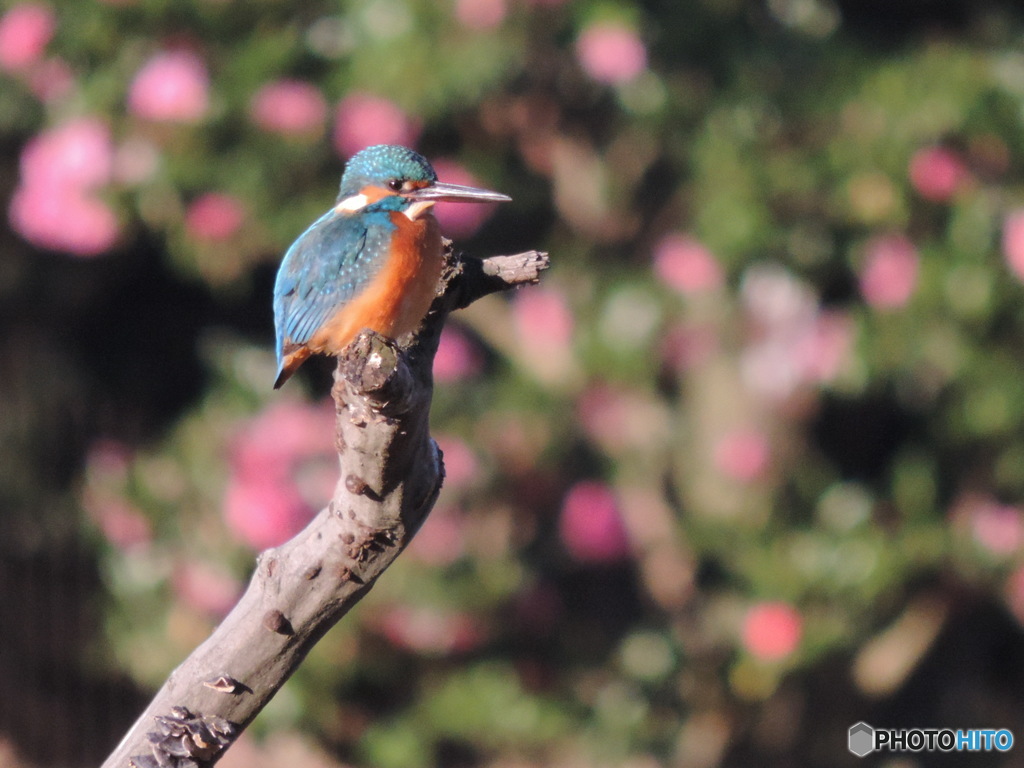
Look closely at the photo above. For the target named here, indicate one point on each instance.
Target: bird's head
(388, 177)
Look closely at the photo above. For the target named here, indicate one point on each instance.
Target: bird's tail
(289, 364)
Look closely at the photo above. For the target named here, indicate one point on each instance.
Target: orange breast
(399, 296)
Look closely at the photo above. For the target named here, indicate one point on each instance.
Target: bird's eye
(395, 185)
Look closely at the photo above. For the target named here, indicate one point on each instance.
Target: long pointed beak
(456, 193)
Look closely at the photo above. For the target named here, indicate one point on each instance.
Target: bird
(372, 261)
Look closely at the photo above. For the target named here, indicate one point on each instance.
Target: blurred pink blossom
(63, 219)
(460, 220)
(457, 357)
(214, 217)
(51, 79)
(591, 526)
(108, 461)
(542, 318)
(743, 454)
(611, 53)
(793, 341)
(173, 86)
(205, 587)
(937, 173)
(362, 120)
(824, 346)
(685, 264)
(684, 347)
(263, 504)
(480, 14)
(775, 299)
(442, 539)
(107, 468)
(25, 30)
(286, 432)
(997, 527)
(1013, 242)
(430, 631)
(121, 523)
(78, 153)
(264, 512)
(888, 276)
(289, 107)
(772, 631)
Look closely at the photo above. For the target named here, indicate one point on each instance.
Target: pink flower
(430, 631)
(51, 79)
(685, 264)
(214, 217)
(108, 462)
(362, 120)
(772, 631)
(264, 512)
(457, 357)
(52, 207)
(998, 528)
(286, 433)
(685, 347)
(442, 539)
(480, 14)
(289, 107)
(611, 53)
(206, 588)
(888, 276)
(824, 347)
(460, 220)
(63, 219)
(1013, 242)
(937, 173)
(591, 526)
(25, 31)
(121, 523)
(173, 86)
(264, 504)
(543, 319)
(77, 154)
(743, 455)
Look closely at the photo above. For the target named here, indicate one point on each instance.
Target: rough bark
(391, 474)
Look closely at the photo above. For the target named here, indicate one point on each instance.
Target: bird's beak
(455, 193)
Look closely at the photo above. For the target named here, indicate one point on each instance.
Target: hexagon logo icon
(861, 739)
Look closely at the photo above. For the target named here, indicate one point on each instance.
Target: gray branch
(391, 474)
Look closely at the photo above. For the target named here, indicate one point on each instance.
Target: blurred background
(746, 468)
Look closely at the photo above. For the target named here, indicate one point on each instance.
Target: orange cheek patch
(373, 194)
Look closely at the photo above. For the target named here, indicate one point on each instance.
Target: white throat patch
(418, 208)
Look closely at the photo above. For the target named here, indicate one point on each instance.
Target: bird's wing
(322, 271)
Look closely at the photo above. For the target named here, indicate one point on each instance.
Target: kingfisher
(371, 262)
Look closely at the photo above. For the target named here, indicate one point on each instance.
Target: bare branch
(391, 474)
